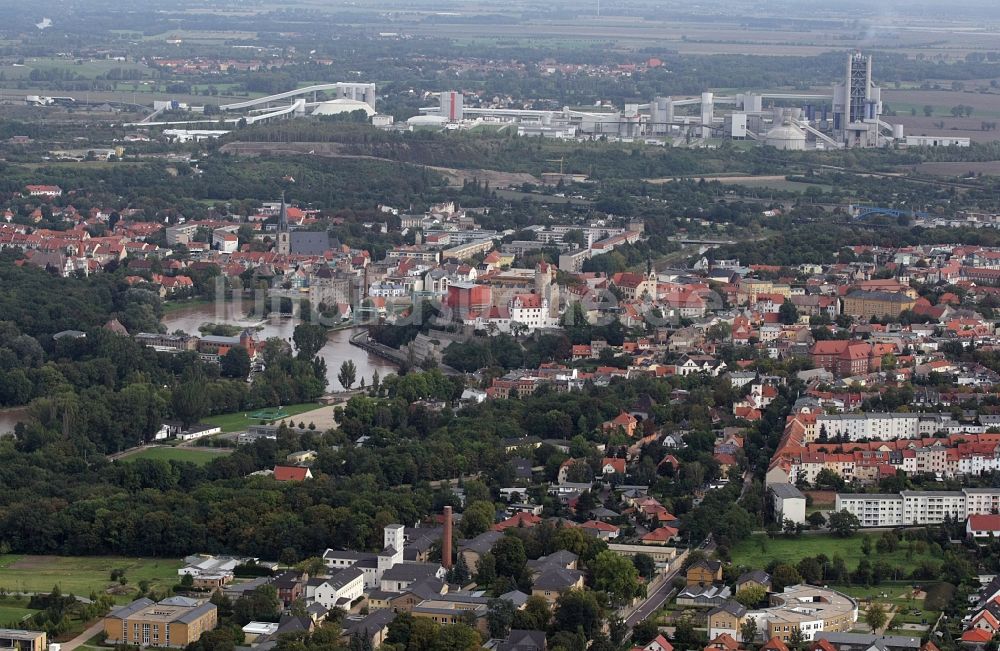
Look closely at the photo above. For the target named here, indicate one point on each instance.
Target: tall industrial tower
(857, 105)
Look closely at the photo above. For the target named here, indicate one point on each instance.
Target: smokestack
(446, 540)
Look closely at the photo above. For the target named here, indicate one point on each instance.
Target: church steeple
(283, 215)
(283, 241)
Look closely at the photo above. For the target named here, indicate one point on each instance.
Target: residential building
(868, 304)
(788, 503)
(704, 572)
(917, 507)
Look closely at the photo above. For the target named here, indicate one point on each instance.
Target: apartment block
(917, 507)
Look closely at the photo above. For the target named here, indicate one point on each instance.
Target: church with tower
(283, 244)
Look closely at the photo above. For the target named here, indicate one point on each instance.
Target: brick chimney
(446, 540)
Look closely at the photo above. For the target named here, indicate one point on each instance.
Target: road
(83, 637)
(655, 601)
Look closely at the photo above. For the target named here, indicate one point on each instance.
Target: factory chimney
(446, 540)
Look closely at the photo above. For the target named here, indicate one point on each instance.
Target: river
(338, 347)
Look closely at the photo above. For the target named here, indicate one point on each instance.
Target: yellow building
(866, 305)
(704, 572)
(827, 611)
(18, 640)
(174, 622)
(445, 612)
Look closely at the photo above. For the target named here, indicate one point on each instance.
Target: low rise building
(173, 622)
(19, 640)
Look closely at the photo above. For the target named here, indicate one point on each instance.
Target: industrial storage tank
(337, 106)
(786, 136)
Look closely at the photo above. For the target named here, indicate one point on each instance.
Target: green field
(83, 575)
(238, 422)
(13, 610)
(758, 550)
(198, 456)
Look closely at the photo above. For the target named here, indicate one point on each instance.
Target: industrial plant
(850, 116)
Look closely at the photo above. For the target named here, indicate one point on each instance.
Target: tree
(645, 631)
(645, 565)
(499, 617)
(748, 631)
(615, 575)
(510, 556)
(875, 616)
(843, 523)
(236, 363)
(928, 110)
(486, 570)
(751, 595)
(477, 518)
(459, 573)
(309, 339)
(578, 609)
(816, 519)
(456, 637)
(189, 402)
(829, 480)
(784, 575)
(535, 616)
(348, 374)
(788, 313)
(796, 639)
(810, 570)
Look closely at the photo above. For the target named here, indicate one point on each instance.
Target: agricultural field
(240, 421)
(195, 455)
(985, 168)
(83, 575)
(759, 550)
(86, 68)
(985, 105)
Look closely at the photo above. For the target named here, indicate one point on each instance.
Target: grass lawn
(238, 422)
(13, 610)
(82, 575)
(198, 456)
(758, 550)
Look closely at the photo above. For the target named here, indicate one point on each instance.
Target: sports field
(195, 455)
(239, 421)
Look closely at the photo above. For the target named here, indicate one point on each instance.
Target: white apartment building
(931, 507)
(872, 509)
(918, 507)
(880, 426)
